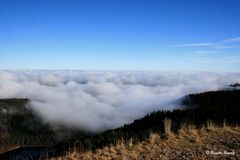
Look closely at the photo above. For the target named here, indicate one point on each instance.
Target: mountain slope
(20, 126)
(214, 108)
(213, 143)
(220, 108)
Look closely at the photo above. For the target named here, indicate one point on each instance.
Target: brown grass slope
(210, 142)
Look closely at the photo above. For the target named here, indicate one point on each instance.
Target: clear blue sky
(120, 34)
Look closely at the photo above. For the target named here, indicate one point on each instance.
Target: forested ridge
(20, 126)
(217, 107)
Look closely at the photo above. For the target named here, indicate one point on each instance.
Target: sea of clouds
(100, 100)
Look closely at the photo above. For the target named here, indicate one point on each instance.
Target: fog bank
(98, 100)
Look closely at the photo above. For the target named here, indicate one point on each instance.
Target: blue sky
(182, 35)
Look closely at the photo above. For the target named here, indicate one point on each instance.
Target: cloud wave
(100, 100)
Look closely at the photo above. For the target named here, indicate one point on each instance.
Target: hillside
(205, 129)
(214, 109)
(208, 143)
(218, 107)
(20, 126)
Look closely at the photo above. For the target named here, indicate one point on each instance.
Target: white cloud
(219, 61)
(206, 52)
(195, 45)
(221, 46)
(97, 101)
(232, 40)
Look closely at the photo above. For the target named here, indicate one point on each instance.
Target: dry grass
(190, 143)
(167, 126)
(211, 125)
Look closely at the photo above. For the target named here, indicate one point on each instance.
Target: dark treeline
(219, 107)
(25, 128)
(19, 126)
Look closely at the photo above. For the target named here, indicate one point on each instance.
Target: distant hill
(235, 85)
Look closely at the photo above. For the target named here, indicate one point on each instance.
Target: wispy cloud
(218, 61)
(232, 40)
(221, 46)
(206, 52)
(228, 60)
(213, 45)
(195, 45)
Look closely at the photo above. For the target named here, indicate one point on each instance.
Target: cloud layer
(98, 100)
